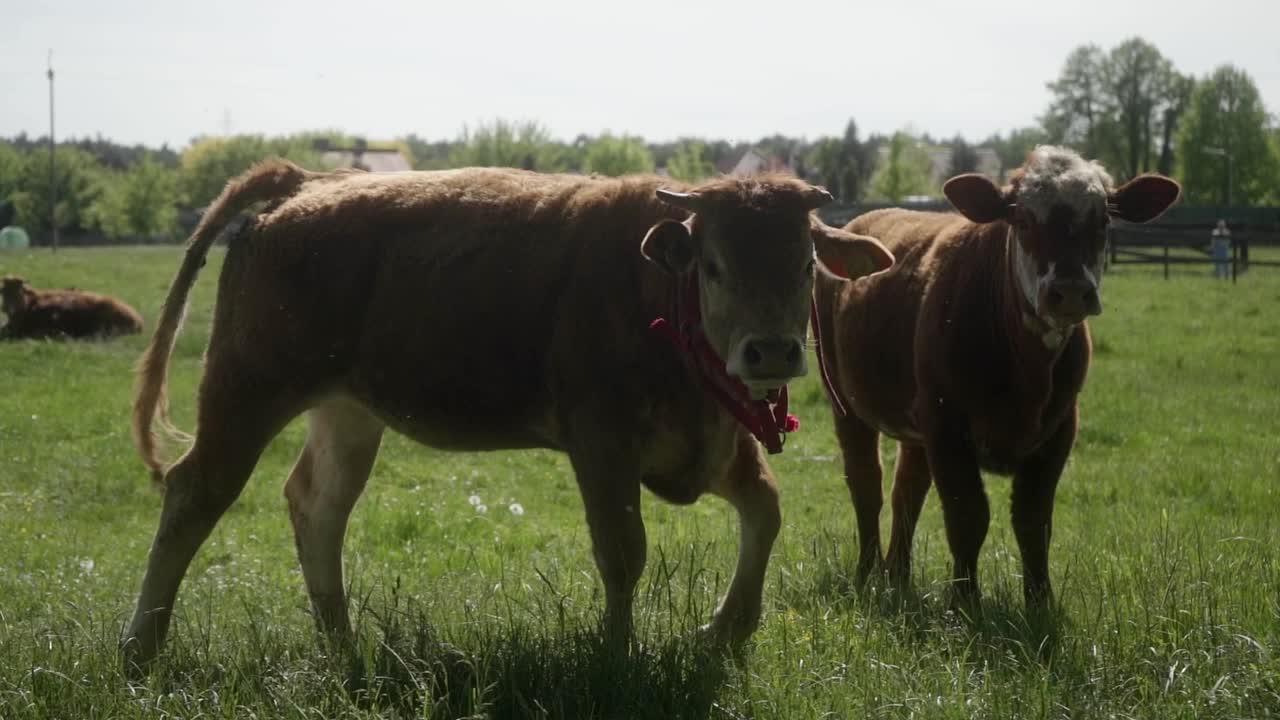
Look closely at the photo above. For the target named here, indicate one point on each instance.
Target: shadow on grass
(408, 668)
(518, 673)
(998, 630)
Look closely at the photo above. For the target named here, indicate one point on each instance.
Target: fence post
(1235, 259)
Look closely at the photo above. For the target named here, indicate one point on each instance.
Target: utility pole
(53, 184)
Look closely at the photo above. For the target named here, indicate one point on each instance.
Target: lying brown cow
(41, 314)
(482, 309)
(975, 353)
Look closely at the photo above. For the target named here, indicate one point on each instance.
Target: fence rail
(1183, 245)
(1180, 238)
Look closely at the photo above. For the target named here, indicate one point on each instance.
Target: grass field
(476, 595)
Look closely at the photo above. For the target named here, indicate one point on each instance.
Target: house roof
(753, 162)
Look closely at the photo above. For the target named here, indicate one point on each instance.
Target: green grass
(1164, 558)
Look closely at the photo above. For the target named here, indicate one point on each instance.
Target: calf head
(1058, 206)
(14, 293)
(751, 241)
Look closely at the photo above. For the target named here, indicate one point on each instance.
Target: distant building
(988, 162)
(390, 160)
(753, 162)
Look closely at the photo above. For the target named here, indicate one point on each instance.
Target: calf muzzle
(768, 361)
(1072, 300)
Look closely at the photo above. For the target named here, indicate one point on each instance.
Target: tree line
(1128, 107)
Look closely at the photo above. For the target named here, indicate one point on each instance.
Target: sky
(166, 72)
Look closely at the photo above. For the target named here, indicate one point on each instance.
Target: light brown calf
(975, 352)
(483, 309)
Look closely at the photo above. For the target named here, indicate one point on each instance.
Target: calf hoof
(1039, 598)
(898, 570)
(867, 567)
(1043, 611)
(965, 599)
(135, 659)
(730, 629)
(618, 636)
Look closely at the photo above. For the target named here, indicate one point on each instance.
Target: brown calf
(485, 309)
(40, 314)
(975, 353)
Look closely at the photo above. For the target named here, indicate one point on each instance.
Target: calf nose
(769, 358)
(1073, 299)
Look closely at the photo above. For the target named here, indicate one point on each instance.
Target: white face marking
(1094, 275)
(1028, 282)
(1046, 281)
(1059, 176)
(1053, 339)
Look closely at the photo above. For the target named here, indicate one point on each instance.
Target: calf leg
(328, 478)
(860, 446)
(1034, 485)
(910, 486)
(965, 509)
(235, 424)
(617, 535)
(750, 487)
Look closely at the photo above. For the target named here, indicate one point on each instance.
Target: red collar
(766, 419)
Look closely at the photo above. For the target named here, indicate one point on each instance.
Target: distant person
(1220, 249)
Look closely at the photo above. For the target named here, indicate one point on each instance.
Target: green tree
(827, 166)
(1177, 100)
(905, 170)
(427, 154)
(1076, 115)
(1138, 82)
(964, 158)
(139, 202)
(1012, 151)
(843, 165)
(11, 164)
(1273, 197)
(209, 163)
(617, 155)
(690, 163)
(76, 178)
(503, 143)
(1226, 114)
(1121, 107)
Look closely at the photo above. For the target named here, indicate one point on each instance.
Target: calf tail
(269, 180)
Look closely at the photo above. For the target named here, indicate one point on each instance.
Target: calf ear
(815, 197)
(1143, 198)
(977, 198)
(846, 255)
(669, 244)
(684, 200)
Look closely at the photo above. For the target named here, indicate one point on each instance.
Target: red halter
(828, 382)
(767, 419)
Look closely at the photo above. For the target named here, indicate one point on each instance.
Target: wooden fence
(1170, 245)
(1180, 237)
